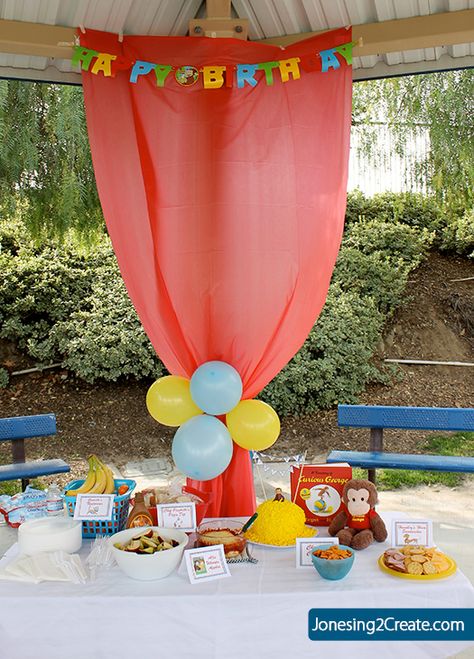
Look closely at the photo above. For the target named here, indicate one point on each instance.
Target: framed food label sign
(94, 507)
(177, 515)
(412, 532)
(306, 546)
(206, 563)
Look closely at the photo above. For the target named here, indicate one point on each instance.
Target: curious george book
(317, 489)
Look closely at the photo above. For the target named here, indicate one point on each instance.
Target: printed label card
(306, 546)
(95, 507)
(177, 516)
(412, 532)
(206, 563)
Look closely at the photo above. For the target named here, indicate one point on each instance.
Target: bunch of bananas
(100, 479)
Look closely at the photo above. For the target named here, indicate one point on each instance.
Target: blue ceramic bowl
(333, 569)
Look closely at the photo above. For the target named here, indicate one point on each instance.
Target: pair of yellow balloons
(253, 425)
(169, 401)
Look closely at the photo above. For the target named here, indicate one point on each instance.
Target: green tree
(46, 172)
(443, 103)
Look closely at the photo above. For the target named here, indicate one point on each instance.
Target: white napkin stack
(48, 566)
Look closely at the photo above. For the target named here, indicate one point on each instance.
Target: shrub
(449, 229)
(373, 276)
(411, 208)
(105, 339)
(369, 279)
(398, 242)
(357, 207)
(333, 364)
(458, 235)
(12, 236)
(4, 378)
(59, 304)
(39, 290)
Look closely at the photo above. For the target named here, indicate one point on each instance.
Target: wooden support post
(219, 22)
(376, 444)
(218, 8)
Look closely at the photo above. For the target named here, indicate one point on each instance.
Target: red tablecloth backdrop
(225, 207)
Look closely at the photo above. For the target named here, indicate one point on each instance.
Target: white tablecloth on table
(260, 612)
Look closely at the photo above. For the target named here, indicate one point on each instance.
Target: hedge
(59, 303)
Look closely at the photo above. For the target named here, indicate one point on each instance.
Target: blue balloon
(216, 387)
(202, 448)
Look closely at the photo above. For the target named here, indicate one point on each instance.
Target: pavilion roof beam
(23, 38)
(449, 28)
(427, 31)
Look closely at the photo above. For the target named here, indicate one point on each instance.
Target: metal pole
(376, 444)
(18, 451)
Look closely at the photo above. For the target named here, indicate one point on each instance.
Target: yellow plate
(420, 577)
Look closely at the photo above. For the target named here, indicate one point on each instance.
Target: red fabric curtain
(225, 206)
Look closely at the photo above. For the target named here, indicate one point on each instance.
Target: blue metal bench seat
(16, 430)
(27, 470)
(378, 460)
(378, 417)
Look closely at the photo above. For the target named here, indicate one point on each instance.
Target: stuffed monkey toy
(357, 525)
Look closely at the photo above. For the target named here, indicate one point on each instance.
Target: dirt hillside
(436, 322)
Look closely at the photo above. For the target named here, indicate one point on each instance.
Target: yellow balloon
(253, 425)
(169, 401)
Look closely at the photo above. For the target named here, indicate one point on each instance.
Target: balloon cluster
(202, 445)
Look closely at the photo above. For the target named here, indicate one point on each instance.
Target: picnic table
(260, 612)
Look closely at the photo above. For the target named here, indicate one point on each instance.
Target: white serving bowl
(147, 567)
(50, 534)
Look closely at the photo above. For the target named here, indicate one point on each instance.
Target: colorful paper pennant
(214, 76)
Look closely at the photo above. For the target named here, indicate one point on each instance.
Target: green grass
(460, 443)
(13, 487)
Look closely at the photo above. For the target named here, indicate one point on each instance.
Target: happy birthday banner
(213, 76)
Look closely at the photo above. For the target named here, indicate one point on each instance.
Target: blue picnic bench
(379, 417)
(16, 430)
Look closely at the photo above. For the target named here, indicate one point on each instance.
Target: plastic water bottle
(54, 501)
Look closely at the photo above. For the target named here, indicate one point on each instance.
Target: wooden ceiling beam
(428, 31)
(52, 41)
(22, 38)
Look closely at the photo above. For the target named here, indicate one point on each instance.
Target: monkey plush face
(358, 501)
(359, 496)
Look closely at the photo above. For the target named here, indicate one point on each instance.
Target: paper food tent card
(221, 167)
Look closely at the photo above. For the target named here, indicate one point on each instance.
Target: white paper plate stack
(50, 534)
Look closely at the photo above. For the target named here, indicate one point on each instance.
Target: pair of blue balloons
(202, 447)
